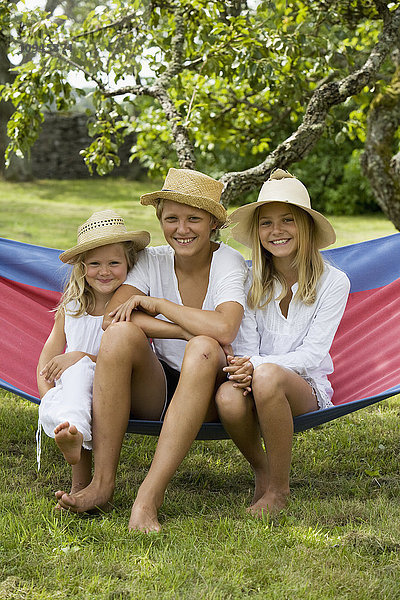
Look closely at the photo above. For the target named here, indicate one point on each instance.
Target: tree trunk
(380, 163)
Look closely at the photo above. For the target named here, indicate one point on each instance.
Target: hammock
(365, 351)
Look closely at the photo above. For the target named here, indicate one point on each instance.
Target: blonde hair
(78, 290)
(308, 262)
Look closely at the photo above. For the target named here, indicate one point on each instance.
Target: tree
(381, 159)
(19, 167)
(199, 80)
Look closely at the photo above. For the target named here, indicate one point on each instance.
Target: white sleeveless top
(82, 333)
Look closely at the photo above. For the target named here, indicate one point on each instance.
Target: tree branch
(79, 67)
(299, 144)
(115, 24)
(177, 49)
(183, 146)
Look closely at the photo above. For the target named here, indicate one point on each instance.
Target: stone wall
(55, 154)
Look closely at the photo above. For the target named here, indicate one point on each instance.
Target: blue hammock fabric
(365, 351)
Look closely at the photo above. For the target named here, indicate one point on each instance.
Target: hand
(60, 363)
(145, 303)
(240, 372)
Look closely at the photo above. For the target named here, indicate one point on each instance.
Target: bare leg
(237, 414)
(81, 475)
(279, 394)
(69, 440)
(191, 405)
(125, 356)
(82, 472)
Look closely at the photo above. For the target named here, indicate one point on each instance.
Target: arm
(221, 324)
(53, 361)
(316, 343)
(121, 295)
(158, 328)
(60, 363)
(54, 345)
(153, 328)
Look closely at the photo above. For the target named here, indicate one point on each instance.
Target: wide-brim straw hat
(103, 228)
(281, 187)
(191, 188)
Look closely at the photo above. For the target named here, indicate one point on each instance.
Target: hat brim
(242, 218)
(211, 206)
(140, 239)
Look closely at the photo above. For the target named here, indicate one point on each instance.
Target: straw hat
(102, 228)
(192, 188)
(281, 187)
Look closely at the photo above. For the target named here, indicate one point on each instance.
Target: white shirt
(82, 333)
(300, 341)
(154, 275)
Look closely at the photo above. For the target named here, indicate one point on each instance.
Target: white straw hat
(192, 188)
(281, 187)
(102, 228)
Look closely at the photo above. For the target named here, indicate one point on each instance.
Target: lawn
(339, 538)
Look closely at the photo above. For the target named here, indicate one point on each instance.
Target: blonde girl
(100, 261)
(297, 300)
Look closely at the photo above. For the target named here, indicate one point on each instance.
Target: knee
(203, 349)
(268, 381)
(120, 338)
(230, 402)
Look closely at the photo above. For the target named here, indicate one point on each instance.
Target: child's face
(106, 268)
(277, 230)
(186, 228)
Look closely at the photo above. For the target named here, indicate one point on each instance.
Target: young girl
(194, 286)
(297, 300)
(101, 259)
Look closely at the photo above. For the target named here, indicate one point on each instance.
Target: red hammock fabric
(365, 351)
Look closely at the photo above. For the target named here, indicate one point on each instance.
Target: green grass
(339, 538)
(49, 212)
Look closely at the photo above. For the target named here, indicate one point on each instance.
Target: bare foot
(87, 500)
(69, 440)
(144, 518)
(270, 503)
(59, 494)
(81, 475)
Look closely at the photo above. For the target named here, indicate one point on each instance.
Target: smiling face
(186, 229)
(277, 230)
(106, 269)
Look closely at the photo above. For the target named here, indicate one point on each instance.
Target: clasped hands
(240, 372)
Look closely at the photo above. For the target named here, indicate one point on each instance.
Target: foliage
(334, 179)
(245, 80)
(218, 86)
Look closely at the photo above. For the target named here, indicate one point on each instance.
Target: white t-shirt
(300, 341)
(154, 275)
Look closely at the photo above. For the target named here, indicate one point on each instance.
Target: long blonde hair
(77, 289)
(308, 262)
